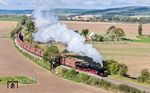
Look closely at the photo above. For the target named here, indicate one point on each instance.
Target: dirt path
(12, 64)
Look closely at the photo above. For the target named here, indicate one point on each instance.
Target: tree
(140, 29)
(30, 25)
(27, 35)
(29, 38)
(51, 53)
(23, 20)
(85, 32)
(115, 33)
(115, 68)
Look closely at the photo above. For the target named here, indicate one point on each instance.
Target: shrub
(115, 68)
(105, 84)
(51, 53)
(82, 77)
(123, 70)
(85, 32)
(98, 38)
(71, 74)
(145, 76)
(15, 31)
(91, 81)
(128, 89)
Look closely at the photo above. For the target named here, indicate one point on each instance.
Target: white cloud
(4, 2)
(28, 4)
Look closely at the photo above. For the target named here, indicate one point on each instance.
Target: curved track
(12, 64)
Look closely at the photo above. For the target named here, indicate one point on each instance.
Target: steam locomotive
(91, 67)
(81, 65)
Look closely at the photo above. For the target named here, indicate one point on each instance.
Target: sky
(79, 4)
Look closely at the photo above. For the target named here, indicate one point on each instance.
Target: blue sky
(84, 4)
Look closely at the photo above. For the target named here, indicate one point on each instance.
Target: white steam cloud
(50, 29)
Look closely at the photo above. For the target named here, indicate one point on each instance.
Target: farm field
(131, 30)
(135, 55)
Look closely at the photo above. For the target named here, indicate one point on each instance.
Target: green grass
(9, 18)
(135, 81)
(143, 39)
(20, 79)
(24, 80)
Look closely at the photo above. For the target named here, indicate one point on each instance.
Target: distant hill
(134, 10)
(15, 11)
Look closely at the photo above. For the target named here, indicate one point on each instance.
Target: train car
(70, 62)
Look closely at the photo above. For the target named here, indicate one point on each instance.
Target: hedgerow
(76, 76)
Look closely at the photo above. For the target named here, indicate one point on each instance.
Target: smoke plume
(50, 29)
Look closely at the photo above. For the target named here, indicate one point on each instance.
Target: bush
(145, 76)
(51, 53)
(92, 81)
(71, 74)
(15, 31)
(85, 32)
(98, 38)
(82, 77)
(115, 68)
(128, 89)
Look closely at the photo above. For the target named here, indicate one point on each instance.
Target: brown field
(14, 64)
(131, 30)
(135, 55)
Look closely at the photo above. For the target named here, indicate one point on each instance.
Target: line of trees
(111, 18)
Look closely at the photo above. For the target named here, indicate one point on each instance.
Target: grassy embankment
(20, 79)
